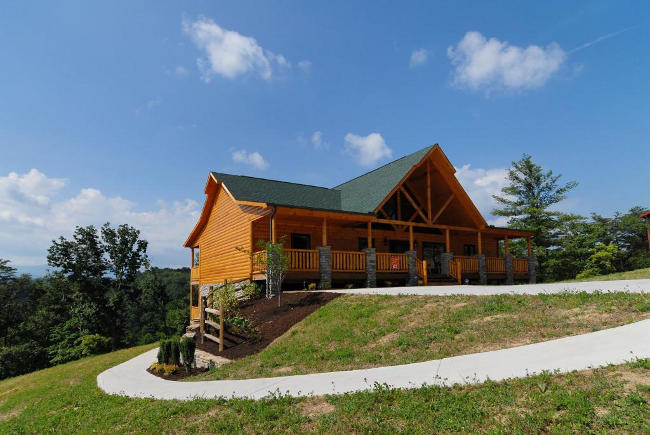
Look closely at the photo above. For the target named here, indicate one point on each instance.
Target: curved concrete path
(609, 346)
(631, 286)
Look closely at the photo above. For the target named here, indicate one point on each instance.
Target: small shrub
(240, 325)
(159, 357)
(165, 351)
(174, 352)
(349, 286)
(187, 348)
(163, 369)
(311, 286)
(94, 344)
(224, 297)
(251, 291)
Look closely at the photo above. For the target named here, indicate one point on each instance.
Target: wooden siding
(228, 227)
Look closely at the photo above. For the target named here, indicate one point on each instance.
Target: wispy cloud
(418, 57)
(490, 64)
(600, 39)
(253, 159)
(229, 53)
(367, 150)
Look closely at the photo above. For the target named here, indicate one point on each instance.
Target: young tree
(527, 199)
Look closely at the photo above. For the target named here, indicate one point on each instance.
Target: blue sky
(118, 111)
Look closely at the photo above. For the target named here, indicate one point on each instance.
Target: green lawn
(355, 331)
(632, 274)
(65, 399)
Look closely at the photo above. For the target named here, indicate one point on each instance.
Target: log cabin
(407, 222)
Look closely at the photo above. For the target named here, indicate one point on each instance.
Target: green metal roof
(359, 195)
(366, 192)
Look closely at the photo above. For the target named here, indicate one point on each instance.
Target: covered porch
(341, 248)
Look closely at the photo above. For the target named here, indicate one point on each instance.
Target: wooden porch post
(447, 241)
(410, 237)
(324, 231)
(273, 235)
(480, 243)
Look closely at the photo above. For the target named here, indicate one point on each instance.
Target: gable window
(195, 256)
(363, 243)
(469, 250)
(300, 241)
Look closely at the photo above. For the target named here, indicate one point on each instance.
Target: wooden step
(213, 311)
(193, 326)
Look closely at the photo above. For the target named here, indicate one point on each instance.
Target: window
(363, 243)
(300, 241)
(195, 295)
(469, 250)
(195, 257)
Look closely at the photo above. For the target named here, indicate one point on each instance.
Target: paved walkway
(609, 346)
(632, 286)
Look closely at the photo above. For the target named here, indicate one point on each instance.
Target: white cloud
(318, 142)
(305, 66)
(253, 159)
(229, 53)
(480, 184)
(367, 150)
(418, 57)
(149, 105)
(178, 71)
(492, 65)
(33, 213)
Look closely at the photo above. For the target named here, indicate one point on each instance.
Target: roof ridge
(382, 166)
(270, 179)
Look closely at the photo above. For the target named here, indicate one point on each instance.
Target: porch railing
(387, 262)
(469, 264)
(348, 261)
(421, 270)
(495, 264)
(520, 265)
(259, 262)
(303, 260)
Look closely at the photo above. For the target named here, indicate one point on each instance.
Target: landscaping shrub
(251, 291)
(165, 351)
(94, 344)
(187, 348)
(174, 352)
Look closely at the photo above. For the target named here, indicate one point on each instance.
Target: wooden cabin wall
(346, 239)
(228, 227)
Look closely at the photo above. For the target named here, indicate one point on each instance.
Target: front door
(398, 246)
(431, 253)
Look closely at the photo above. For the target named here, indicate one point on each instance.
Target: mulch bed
(181, 373)
(271, 321)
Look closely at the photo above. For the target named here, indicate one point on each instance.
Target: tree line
(568, 245)
(101, 295)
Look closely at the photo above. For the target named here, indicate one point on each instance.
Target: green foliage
(94, 344)
(174, 352)
(600, 262)
(251, 291)
(187, 348)
(22, 358)
(224, 297)
(241, 325)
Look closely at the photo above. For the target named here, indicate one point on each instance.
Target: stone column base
(532, 270)
(325, 267)
(413, 273)
(510, 271)
(445, 258)
(482, 269)
(371, 267)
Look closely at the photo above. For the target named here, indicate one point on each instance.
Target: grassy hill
(357, 331)
(66, 399)
(632, 274)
